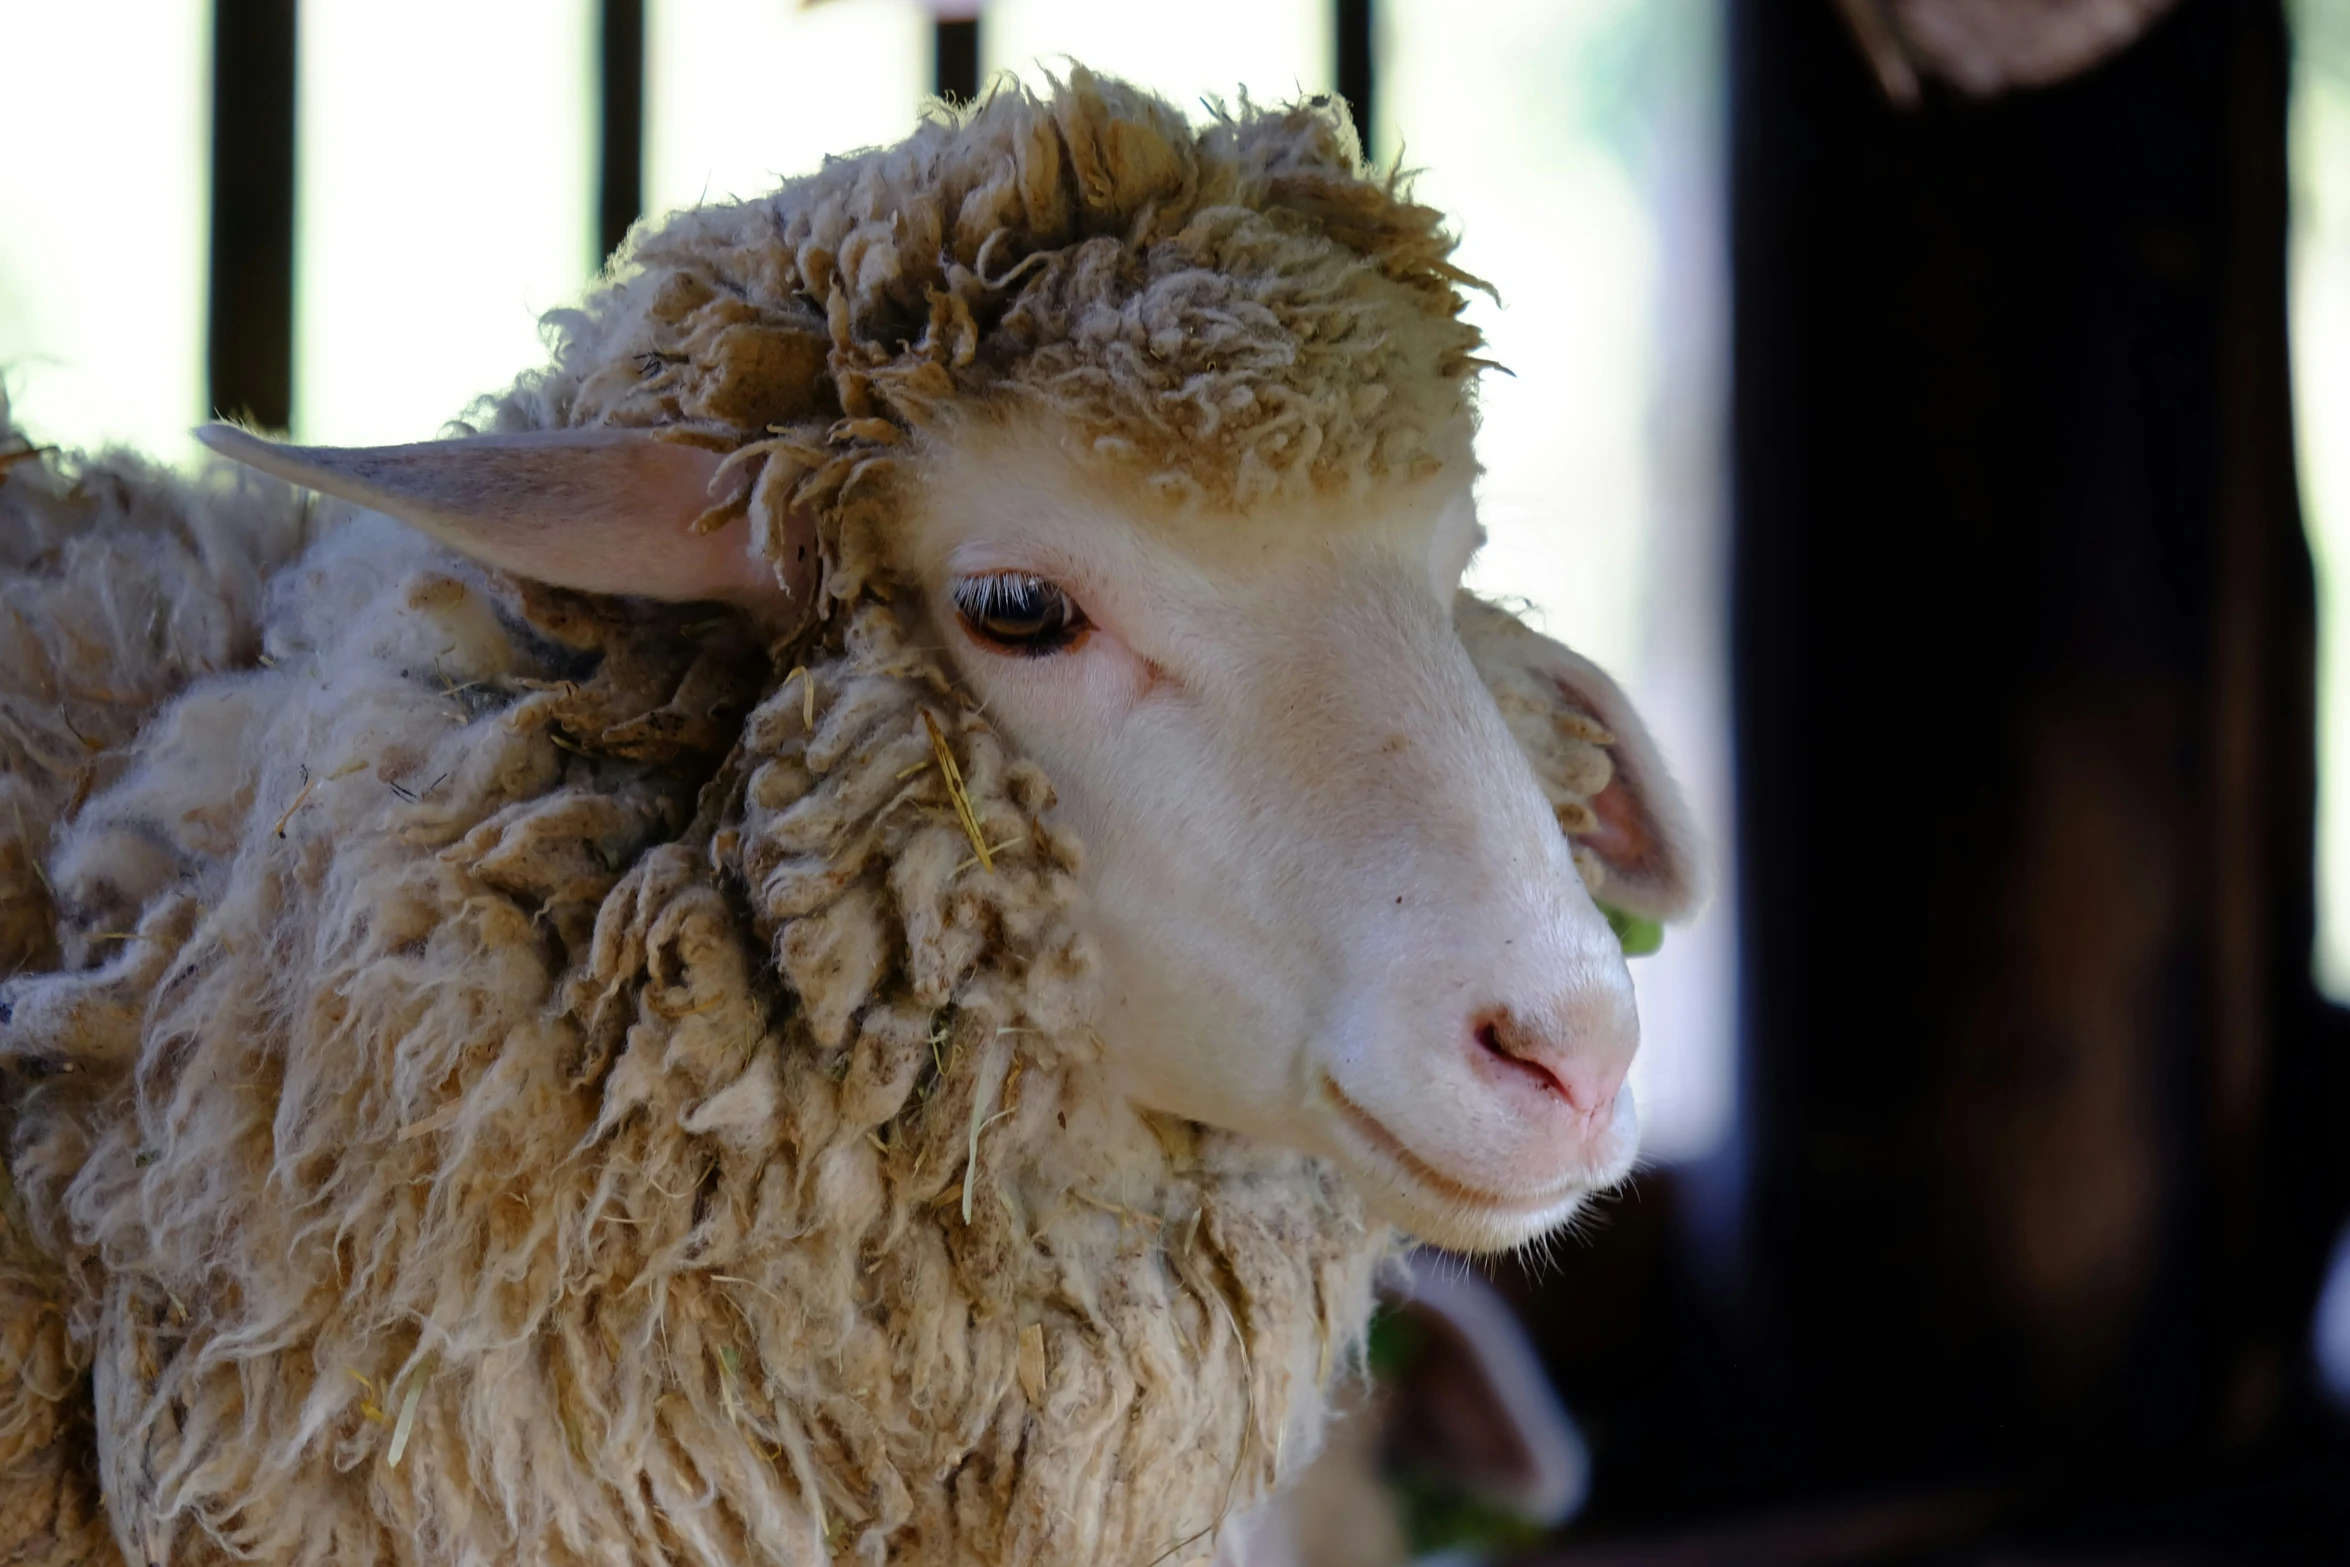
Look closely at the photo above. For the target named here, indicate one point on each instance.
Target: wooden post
(2022, 657)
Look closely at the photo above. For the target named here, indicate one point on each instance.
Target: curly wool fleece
(530, 1077)
(119, 586)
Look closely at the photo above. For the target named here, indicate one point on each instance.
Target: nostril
(1497, 1035)
(1578, 1065)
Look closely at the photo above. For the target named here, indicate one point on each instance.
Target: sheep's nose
(1580, 1048)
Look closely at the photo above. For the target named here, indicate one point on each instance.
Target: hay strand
(963, 812)
(807, 694)
(407, 1421)
(308, 783)
(1032, 1366)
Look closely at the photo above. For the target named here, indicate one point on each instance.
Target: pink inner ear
(1624, 839)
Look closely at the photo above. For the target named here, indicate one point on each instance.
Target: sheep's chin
(1412, 1192)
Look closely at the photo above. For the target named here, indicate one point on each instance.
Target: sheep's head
(1334, 901)
(1161, 443)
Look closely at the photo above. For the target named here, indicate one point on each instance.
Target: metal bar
(249, 320)
(620, 174)
(1356, 80)
(957, 59)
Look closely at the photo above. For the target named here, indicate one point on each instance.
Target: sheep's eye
(1019, 613)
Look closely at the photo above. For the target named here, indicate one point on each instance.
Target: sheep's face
(1334, 903)
(1334, 907)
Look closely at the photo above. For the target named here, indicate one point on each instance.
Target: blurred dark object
(249, 367)
(1985, 47)
(2044, 1125)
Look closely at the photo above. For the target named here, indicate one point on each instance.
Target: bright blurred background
(102, 253)
(2321, 387)
(2320, 133)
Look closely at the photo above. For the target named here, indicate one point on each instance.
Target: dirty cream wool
(119, 585)
(501, 1075)
(443, 1177)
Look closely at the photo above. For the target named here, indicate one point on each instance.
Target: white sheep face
(1334, 907)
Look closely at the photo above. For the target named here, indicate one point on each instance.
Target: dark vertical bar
(249, 324)
(1355, 80)
(620, 190)
(958, 59)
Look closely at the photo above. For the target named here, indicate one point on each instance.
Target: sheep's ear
(1470, 1404)
(1637, 827)
(604, 511)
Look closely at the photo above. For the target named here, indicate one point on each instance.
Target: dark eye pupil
(1022, 612)
(1021, 607)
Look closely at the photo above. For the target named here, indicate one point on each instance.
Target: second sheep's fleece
(509, 1073)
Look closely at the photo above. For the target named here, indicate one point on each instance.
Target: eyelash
(1020, 614)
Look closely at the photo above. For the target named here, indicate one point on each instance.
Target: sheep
(849, 927)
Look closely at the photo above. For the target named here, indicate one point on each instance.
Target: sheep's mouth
(1400, 1155)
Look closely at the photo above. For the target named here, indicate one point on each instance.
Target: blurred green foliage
(2321, 38)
